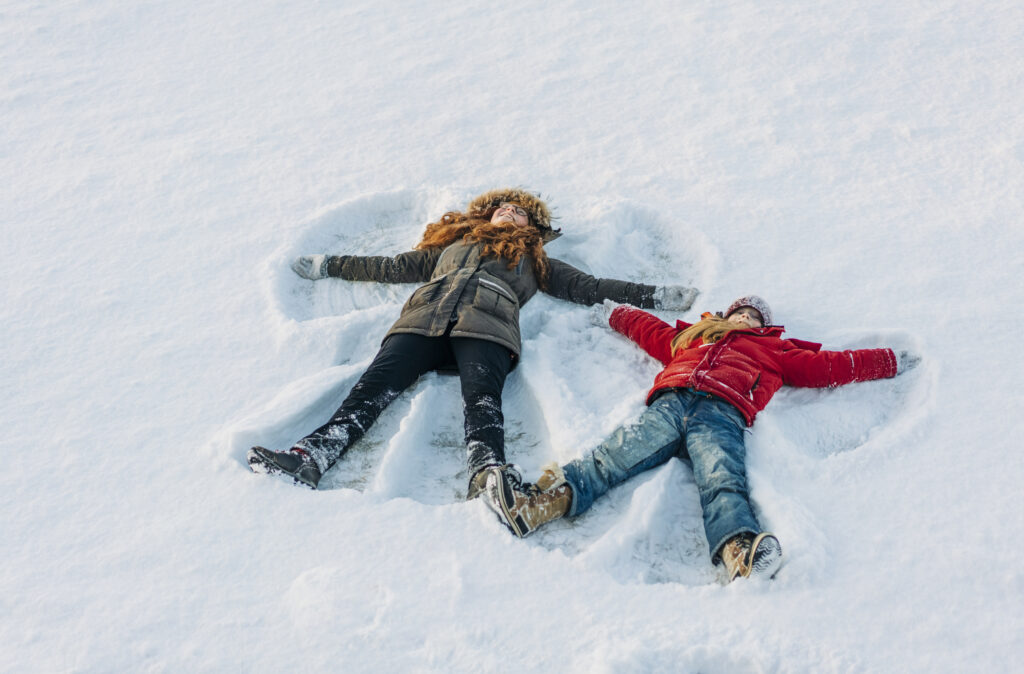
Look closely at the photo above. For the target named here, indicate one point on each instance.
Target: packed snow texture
(859, 165)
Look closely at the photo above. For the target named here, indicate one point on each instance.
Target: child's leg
(631, 449)
(714, 443)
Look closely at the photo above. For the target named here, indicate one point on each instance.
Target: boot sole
(506, 499)
(765, 559)
(766, 556)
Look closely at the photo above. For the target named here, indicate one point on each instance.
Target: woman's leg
(631, 449)
(401, 360)
(483, 367)
(714, 443)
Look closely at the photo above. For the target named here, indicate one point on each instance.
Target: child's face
(748, 316)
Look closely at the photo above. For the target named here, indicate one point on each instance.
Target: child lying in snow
(719, 373)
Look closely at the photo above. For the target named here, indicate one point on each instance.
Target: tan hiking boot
(551, 477)
(523, 508)
(476, 484)
(751, 556)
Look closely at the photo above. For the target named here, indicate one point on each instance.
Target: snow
(859, 165)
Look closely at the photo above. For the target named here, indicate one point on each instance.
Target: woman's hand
(313, 267)
(674, 298)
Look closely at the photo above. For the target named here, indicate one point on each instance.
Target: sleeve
(415, 266)
(569, 283)
(804, 367)
(650, 333)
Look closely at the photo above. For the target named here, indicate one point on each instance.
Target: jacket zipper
(700, 372)
(454, 317)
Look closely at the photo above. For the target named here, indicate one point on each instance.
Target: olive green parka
(478, 297)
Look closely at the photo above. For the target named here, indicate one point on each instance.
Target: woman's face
(514, 213)
(748, 316)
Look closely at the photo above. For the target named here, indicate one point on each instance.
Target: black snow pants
(482, 365)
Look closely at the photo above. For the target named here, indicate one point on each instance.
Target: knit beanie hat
(540, 216)
(754, 302)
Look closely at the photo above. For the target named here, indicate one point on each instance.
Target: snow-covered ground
(858, 164)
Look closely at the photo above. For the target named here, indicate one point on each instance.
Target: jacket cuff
(617, 316)
(892, 362)
(334, 263)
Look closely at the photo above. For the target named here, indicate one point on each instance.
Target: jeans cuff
(574, 486)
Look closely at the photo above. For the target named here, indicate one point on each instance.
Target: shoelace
(513, 476)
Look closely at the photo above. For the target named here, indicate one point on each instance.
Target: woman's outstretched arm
(415, 266)
(569, 283)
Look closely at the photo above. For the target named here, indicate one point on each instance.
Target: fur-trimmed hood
(540, 215)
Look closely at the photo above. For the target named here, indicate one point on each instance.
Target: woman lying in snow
(480, 266)
(719, 373)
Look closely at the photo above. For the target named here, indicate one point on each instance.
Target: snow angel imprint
(478, 268)
(719, 373)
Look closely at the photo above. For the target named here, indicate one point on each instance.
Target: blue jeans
(703, 430)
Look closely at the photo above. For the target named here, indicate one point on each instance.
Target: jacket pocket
(495, 300)
(425, 294)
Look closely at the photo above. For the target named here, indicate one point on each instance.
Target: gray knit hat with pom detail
(754, 302)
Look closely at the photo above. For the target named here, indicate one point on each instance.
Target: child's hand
(906, 360)
(600, 313)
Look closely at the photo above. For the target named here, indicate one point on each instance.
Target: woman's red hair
(500, 239)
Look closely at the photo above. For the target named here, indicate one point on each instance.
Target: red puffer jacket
(747, 366)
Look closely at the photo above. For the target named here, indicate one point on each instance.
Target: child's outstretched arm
(651, 333)
(806, 367)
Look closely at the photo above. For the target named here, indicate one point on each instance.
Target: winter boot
(751, 556)
(297, 465)
(551, 477)
(478, 482)
(523, 508)
(492, 479)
